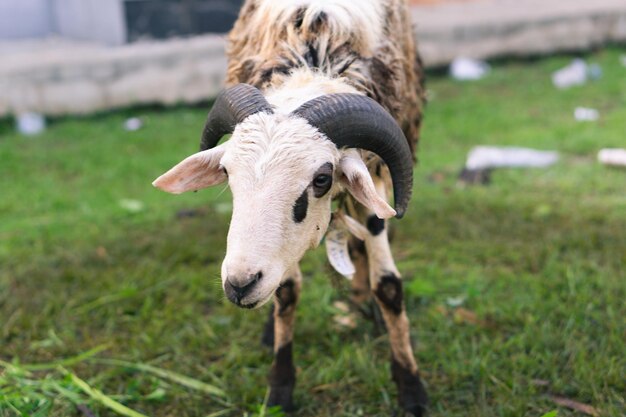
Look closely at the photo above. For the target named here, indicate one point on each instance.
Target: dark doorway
(160, 19)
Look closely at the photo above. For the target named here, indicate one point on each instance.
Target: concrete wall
(91, 20)
(23, 19)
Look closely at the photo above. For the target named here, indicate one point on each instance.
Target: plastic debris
(30, 124)
(133, 124)
(467, 69)
(132, 206)
(612, 157)
(456, 301)
(486, 157)
(483, 159)
(224, 208)
(576, 73)
(586, 114)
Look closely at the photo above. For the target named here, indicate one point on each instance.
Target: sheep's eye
(322, 181)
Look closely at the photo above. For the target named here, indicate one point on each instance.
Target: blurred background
(513, 251)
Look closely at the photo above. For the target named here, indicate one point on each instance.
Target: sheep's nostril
(236, 291)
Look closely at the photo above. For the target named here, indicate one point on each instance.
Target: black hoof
(412, 395)
(282, 396)
(282, 379)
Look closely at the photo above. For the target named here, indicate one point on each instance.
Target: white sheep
(324, 100)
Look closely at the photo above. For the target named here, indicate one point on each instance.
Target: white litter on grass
(467, 69)
(30, 124)
(456, 301)
(576, 73)
(586, 114)
(573, 74)
(133, 206)
(224, 208)
(486, 157)
(133, 124)
(612, 157)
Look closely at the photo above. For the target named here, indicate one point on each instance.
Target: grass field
(516, 291)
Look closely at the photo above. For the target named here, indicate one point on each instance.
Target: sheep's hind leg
(282, 377)
(359, 286)
(268, 330)
(360, 291)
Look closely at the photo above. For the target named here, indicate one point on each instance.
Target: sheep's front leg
(282, 377)
(386, 287)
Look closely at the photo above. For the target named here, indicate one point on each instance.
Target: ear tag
(337, 249)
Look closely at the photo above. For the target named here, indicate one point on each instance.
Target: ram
(324, 102)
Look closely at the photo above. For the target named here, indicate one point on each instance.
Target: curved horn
(356, 121)
(232, 106)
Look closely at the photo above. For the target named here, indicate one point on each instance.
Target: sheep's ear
(357, 180)
(198, 171)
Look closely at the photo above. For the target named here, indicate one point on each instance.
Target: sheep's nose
(237, 288)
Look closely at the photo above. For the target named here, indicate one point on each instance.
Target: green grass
(537, 260)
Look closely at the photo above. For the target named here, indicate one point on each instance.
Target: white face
(283, 174)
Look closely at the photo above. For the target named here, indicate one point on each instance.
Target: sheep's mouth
(248, 306)
(255, 304)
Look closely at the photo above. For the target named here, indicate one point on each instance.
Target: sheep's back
(368, 44)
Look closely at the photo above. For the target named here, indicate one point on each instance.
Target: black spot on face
(301, 206)
(412, 395)
(282, 378)
(286, 296)
(323, 180)
(375, 225)
(389, 293)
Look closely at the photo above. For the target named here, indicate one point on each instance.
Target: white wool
(348, 18)
(304, 85)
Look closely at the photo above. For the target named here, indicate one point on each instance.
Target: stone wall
(80, 78)
(486, 29)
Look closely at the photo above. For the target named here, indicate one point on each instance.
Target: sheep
(324, 102)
